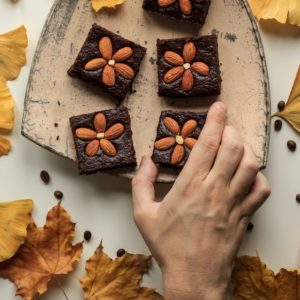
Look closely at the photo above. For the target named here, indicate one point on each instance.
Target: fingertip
(219, 111)
(148, 168)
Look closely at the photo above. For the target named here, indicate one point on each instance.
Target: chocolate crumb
(57, 138)
(291, 145)
(278, 125)
(45, 176)
(58, 195)
(298, 198)
(121, 252)
(56, 124)
(281, 105)
(87, 235)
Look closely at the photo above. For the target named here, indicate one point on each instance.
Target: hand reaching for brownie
(195, 232)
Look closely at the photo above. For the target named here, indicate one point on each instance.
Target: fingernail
(220, 106)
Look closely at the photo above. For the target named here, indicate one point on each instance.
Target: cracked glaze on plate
(52, 96)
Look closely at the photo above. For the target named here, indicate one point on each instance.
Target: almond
(92, 148)
(109, 76)
(165, 3)
(189, 52)
(177, 155)
(85, 134)
(105, 47)
(173, 58)
(189, 127)
(172, 125)
(95, 64)
(165, 143)
(114, 131)
(200, 68)
(124, 70)
(186, 7)
(187, 81)
(100, 122)
(122, 54)
(108, 148)
(190, 142)
(173, 74)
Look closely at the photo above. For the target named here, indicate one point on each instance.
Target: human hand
(195, 232)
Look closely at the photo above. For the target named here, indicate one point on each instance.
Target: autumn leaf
(46, 253)
(253, 280)
(6, 107)
(281, 10)
(291, 112)
(99, 4)
(14, 219)
(117, 279)
(13, 46)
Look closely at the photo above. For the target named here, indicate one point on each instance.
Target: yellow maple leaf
(99, 4)
(281, 10)
(291, 112)
(14, 219)
(117, 279)
(47, 252)
(253, 280)
(13, 46)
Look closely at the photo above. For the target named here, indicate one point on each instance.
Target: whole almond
(177, 155)
(186, 6)
(172, 125)
(165, 143)
(189, 52)
(109, 76)
(173, 74)
(173, 58)
(124, 70)
(122, 54)
(105, 47)
(189, 127)
(165, 3)
(85, 133)
(108, 148)
(95, 64)
(100, 122)
(92, 148)
(187, 81)
(114, 131)
(190, 142)
(200, 68)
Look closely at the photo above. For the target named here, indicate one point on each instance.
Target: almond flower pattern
(112, 64)
(100, 137)
(179, 140)
(183, 66)
(186, 6)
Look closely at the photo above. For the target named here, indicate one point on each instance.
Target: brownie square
(103, 140)
(192, 11)
(188, 66)
(108, 60)
(177, 133)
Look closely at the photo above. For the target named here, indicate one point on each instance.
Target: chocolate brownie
(103, 140)
(108, 60)
(188, 66)
(192, 11)
(177, 133)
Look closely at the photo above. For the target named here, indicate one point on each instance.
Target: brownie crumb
(121, 252)
(58, 195)
(45, 176)
(291, 145)
(87, 235)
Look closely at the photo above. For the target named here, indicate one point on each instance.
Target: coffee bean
(298, 198)
(58, 195)
(121, 252)
(291, 145)
(278, 125)
(45, 176)
(87, 235)
(281, 105)
(250, 227)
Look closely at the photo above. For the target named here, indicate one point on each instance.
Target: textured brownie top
(206, 52)
(196, 14)
(121, 141)
(90, 50)
(162, 154)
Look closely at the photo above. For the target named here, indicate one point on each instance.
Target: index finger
(204, 153)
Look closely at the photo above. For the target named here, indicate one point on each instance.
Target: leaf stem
(60, 286)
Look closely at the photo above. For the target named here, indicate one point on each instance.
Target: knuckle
(265, 191)
(236, 146)
(136, 181)
(252, 166)
(211, 143)
(138, 216)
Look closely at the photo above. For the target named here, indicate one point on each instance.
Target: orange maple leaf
(117, 279)
(46, 253)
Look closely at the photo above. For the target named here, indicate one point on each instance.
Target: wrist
(182, 285)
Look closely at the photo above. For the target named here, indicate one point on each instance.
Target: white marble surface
(102, 203)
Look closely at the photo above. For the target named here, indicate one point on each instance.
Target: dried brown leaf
(117, 279)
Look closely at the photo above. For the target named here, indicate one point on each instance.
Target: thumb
(143, 189)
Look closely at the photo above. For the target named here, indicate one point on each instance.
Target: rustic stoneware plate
(52, 96)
